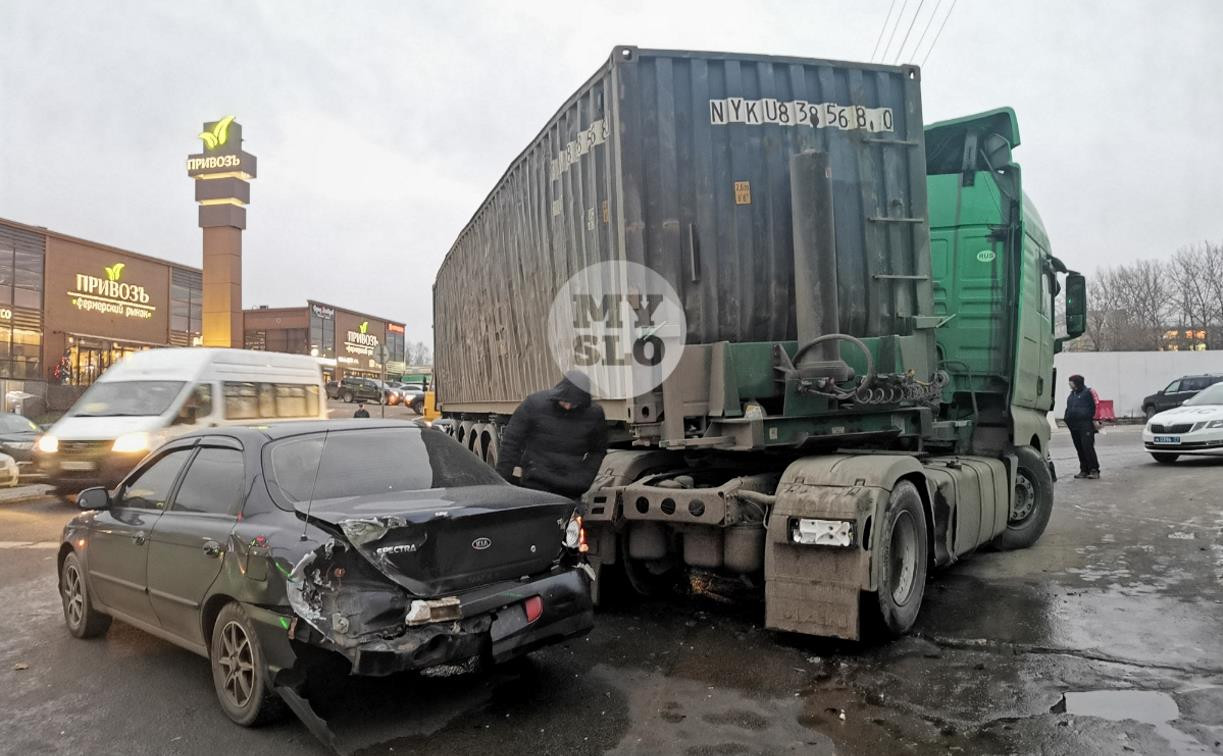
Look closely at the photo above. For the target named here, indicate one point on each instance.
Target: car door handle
(139, 538)
(212, 548)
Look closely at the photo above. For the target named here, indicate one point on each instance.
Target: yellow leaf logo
(114, 271)
(364, 326)
(218, 134)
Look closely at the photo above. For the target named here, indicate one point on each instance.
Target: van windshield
(127, 398)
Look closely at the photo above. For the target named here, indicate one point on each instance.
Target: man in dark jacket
(361, 411)
(1081, 421)
(555, 440)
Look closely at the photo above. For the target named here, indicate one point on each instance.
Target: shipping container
(680, 161)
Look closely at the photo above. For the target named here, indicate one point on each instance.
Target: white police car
(1195, 427)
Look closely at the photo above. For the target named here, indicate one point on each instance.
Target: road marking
(29, 544)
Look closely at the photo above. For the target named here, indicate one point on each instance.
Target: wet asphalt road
(1124, 595)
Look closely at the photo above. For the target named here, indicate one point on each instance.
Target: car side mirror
(93, 498)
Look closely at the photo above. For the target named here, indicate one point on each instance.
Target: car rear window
(341, 464)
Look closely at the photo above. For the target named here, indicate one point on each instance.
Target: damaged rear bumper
(491, 622)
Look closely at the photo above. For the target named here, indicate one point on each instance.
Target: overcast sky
(380, 126)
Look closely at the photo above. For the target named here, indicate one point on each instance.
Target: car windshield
(343, 466)
(1211, 395)
(122, 398)
(16, 424)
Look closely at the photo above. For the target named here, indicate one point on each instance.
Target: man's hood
(573, 388)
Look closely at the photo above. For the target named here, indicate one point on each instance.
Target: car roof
(274, 431)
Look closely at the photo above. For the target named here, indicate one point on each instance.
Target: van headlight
(132, 442)
(48, 444)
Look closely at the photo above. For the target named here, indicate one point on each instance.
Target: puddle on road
(1146, 706)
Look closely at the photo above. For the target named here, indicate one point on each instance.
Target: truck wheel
(1033, 503)
(902, 557)
(1164, 458)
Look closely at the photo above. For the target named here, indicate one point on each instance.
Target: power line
(939, 34)
(888, 46)
(883, 28)
(909, 31)
(926, 29)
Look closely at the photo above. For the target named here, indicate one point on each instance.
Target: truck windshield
(1212, 395)
(127, 398)
(346, 465)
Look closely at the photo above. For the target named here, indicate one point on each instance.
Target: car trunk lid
(448, 540)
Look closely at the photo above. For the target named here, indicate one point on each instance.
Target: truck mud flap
(816, 590)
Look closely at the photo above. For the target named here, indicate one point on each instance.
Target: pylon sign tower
(222, 173)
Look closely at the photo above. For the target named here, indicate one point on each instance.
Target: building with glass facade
(70, 308)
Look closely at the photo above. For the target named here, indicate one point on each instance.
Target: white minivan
(154, 395)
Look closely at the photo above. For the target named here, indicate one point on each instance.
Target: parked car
(383, 542)
(1176, 392)
(10, 473)
(411, 394)
(333, 389)
(355, 389)
(1195, 427)
(158, 394)
(17, 437)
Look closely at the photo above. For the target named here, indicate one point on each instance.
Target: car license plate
(72, 464)
(1167, 439)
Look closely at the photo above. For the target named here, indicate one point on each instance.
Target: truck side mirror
(1076, 304)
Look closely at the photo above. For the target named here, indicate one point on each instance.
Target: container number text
(818, 115)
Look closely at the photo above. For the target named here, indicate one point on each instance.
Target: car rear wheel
(1149, 411)
(1164, 458)
(239, 672)
(346, 396)
(82, 619)
(902, 559)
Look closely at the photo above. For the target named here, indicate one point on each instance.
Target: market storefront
(346, 342)
(70, 308)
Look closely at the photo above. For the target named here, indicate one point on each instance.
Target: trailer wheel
(1033, 502)
(902, 557)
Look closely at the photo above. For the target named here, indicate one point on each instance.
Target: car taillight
(534, 607)
(583, 547)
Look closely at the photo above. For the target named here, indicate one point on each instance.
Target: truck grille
(1178, 428)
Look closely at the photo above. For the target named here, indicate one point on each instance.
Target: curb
(24, 493)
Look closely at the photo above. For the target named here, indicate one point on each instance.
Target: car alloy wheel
(237, 661)
(74, 596)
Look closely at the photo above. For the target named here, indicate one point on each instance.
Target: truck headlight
(808, 532)
(137, 441)
(48, 444)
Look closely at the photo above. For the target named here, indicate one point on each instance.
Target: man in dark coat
(361, 411)
(555, 440)
(1081, 421)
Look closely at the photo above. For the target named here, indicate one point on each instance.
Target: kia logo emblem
(480, 544)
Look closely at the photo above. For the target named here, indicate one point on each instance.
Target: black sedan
(17, 437)
(384, 543)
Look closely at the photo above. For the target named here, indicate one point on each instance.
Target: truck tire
(902, 557)
(1164, 458)
(1033, 502)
